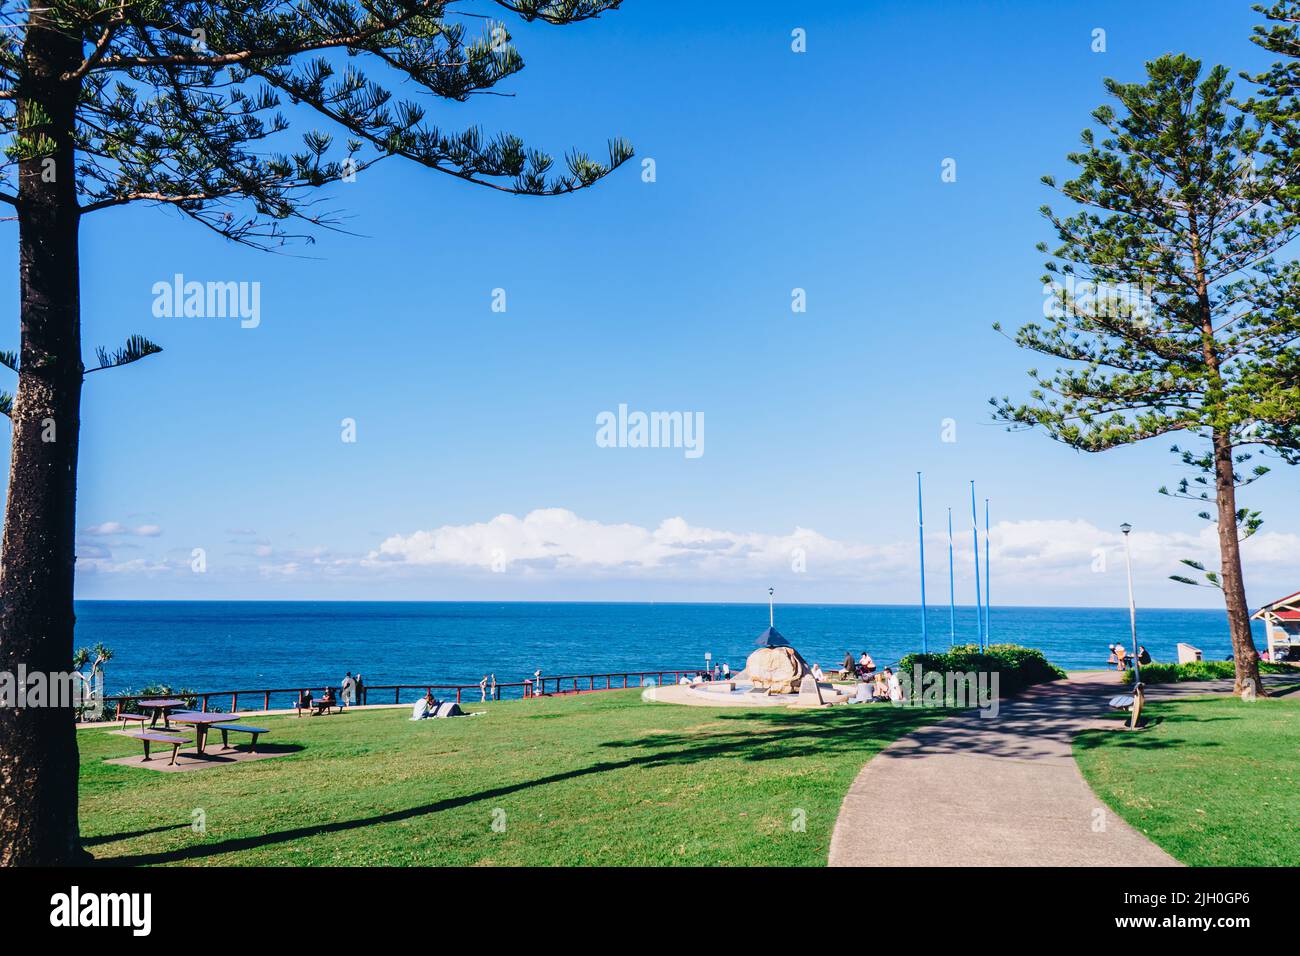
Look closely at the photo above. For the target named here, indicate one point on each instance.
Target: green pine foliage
(233, 113)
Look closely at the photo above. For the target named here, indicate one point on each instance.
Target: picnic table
(159, 707)
(201, 720)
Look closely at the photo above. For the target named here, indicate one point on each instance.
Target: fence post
(205, 703)
(397, 692)
(266, 701)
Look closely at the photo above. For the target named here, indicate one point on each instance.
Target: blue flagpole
(952, 590)
(920, 523)
(975, 533)
(988, 564)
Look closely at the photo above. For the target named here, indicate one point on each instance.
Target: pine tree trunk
(38, 745)
(1244, 655)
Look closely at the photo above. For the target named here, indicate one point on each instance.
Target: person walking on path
(347, 693)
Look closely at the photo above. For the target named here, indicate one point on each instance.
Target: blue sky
(775, 170)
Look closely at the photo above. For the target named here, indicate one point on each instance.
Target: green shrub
(1200, 670)
(1017, 667)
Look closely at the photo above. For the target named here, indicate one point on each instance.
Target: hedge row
(1200, 670)
(1017, 667)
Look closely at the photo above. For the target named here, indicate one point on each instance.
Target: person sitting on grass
(426, 706)
(895, 686)
(880, 688)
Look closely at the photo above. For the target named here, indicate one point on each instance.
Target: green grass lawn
(600, 779)
(1214, 781)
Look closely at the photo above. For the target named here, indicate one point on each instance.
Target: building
(1282, 620)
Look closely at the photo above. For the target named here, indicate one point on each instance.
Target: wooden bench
(227, 728)
(150, 737)
(317, 705)
(141, 719)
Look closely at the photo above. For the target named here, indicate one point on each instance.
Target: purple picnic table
(201, 720)
(160, 706)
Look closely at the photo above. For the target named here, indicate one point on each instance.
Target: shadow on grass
(87, 842)
(784, 735)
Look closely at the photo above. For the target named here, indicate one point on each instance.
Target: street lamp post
(1132, 608)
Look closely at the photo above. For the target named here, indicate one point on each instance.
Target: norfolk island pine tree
(110, 102)
(1186, 320)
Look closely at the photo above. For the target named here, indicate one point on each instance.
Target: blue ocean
(233, 645)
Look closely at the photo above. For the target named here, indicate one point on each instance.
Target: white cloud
(555, 553)
(1062, 555)
(555, 538)
(110, 528)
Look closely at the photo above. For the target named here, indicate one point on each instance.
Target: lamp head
(1126, 527)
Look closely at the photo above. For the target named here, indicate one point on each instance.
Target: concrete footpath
(1002, 791)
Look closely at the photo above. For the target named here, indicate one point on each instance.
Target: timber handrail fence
(260, 698)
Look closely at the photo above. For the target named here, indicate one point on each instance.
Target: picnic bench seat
(161, 738)
(317, 705)
(136, 718)
(243, 728)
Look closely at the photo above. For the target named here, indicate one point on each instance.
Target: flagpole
(975, 534)
(952, 590)
(988, 564)
(920, 524)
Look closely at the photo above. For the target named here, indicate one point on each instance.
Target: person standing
(360, 689)
(347, 693)
(482, 690)
(493, 688)
(726, 671)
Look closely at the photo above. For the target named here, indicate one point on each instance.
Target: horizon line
(929, 607)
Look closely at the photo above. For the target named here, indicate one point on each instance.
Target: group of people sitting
(872, 685)
(1121, 659)
(862, 668)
